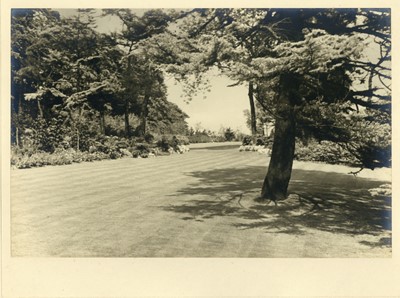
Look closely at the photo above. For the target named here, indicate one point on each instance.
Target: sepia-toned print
(218, 132)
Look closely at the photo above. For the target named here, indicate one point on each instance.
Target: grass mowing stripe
(79, 196)
(122, 164)
(189, 162)
(84, 169)
(73, 187)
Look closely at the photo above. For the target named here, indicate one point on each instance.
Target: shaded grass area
(331, 202)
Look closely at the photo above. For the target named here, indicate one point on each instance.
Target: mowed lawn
(198, 204)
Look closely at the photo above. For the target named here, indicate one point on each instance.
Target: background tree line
(72, 84)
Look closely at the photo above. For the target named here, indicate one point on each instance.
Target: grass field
(199, 204)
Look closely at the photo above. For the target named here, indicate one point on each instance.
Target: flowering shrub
(259, 141)
(104, 147)
(256, 148)
(247, 140)
(164, 144)
(167, 142)
(59, 157)
(182, 140)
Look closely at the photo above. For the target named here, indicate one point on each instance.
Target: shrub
(125, 152)
(143, 147)
(102, 147)
(164, 144)
(247, 140)
(115, 155)
(325, 151)
(264, 141)
(148, 138)
(121, 143)
(58, 157)
(139, 153)
(141, 150)
(114, 147)
(182, 140)
(200, 138)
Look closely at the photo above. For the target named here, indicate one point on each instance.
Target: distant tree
(28, 75)
(139, 73)
(229, 134)
(61, 71)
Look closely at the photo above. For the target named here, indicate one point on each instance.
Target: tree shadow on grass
(325, 201)
(220, 188)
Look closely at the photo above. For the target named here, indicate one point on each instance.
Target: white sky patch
(223, 106)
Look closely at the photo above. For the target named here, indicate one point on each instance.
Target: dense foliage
(72, 86)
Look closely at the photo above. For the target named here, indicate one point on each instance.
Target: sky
(223, 106)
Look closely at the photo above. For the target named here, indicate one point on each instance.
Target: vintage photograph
(201, 133)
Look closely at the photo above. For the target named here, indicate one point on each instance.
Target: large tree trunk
(253, 119)
(280, 166)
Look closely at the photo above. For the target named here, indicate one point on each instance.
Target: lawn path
(188, 206)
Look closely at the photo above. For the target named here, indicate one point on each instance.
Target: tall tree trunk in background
(40, 109)
(102, 123)
(126, 115)
(279, 172)
(145, 111)
(19, 110)
(253, 119)
(74, 123)
(127, 99)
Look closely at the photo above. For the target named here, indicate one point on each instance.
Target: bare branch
(356, 172)
(235, 84)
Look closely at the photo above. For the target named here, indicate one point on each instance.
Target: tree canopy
(64, 68)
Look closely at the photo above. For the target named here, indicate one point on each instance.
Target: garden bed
(105, 148)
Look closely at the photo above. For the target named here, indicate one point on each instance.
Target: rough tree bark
(279, 171)
(253, 120)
